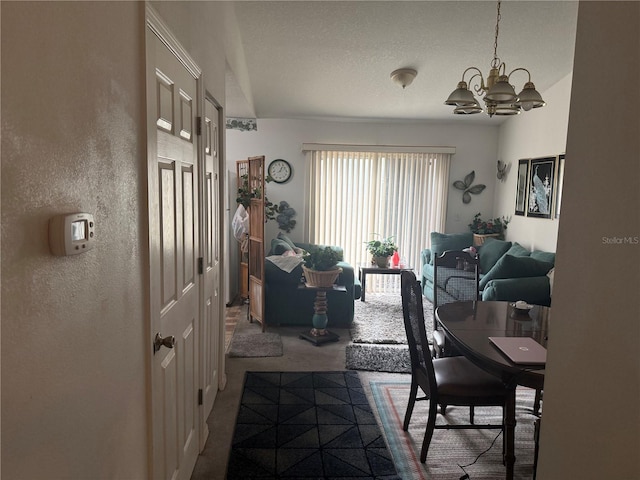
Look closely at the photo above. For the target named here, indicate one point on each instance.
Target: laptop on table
(521, 350)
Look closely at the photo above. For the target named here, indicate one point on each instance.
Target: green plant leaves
(381, 248)
(493, 225)
(322, 259)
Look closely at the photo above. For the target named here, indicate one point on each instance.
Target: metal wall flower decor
(467, 188)
(502, 170)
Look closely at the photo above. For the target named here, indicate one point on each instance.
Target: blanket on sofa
(286, 263)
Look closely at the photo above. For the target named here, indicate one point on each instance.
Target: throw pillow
(278, 247)
(441, 242)
(516, 267)
(518, 250)
(491, 251)
(549, 257)
(282, 236)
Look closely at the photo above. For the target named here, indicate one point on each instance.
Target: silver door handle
(159, 342)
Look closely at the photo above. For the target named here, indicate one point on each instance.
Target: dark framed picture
(542, 173)
(522, 186)
(559, 182)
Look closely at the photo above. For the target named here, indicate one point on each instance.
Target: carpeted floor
(301, 425)
(451, 448)
(378, 340)
(249, 340)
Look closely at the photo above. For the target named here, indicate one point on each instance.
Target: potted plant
(381, 250)
(482, 229)
(321, 266)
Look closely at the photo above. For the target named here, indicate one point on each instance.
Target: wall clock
(279, 170)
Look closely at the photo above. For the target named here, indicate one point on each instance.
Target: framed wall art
(542, 173)
(522, 187)
(559, 182)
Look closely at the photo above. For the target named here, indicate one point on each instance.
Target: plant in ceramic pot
(321, 266)
(381, 250)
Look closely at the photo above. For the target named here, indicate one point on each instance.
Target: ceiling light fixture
(403, 76)
(499, 95)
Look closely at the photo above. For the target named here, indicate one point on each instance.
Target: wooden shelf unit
(242, 169)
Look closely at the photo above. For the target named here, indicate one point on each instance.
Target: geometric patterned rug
(452, 452)
(307, 425)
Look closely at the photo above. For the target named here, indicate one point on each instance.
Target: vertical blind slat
(355, 194)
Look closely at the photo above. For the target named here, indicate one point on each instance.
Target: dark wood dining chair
(536, 441)
(444, 381)
(456, 277)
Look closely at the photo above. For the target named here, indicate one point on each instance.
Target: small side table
(369, 269)
(319, 335)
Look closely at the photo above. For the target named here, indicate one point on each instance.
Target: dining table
(469, 324)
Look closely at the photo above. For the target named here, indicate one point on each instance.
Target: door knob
(159, 341)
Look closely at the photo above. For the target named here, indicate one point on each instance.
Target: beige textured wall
(591, 419)
(74, 329)
(73, 349)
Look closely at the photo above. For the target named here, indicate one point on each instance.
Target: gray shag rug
(249, 340)
(378, 341)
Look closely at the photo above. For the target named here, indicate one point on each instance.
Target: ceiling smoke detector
(403, 76)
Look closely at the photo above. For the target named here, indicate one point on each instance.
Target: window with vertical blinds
(355, 194)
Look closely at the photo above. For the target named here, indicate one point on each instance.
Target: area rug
(451, 448)
(299, 425)
(249, 340)
(378, 339)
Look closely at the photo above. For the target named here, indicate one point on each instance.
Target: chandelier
(499, 95)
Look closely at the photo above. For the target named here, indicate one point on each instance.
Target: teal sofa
(288, 304)
(508, 271)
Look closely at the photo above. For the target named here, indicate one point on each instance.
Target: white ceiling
(333, 59)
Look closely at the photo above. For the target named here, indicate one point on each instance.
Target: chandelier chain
(496, 61)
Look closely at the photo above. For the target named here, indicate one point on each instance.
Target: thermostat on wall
(71, 234)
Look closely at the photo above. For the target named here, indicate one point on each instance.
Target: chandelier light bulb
(461, 96)
(502, 91)
(529, 98)
(468, 109)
